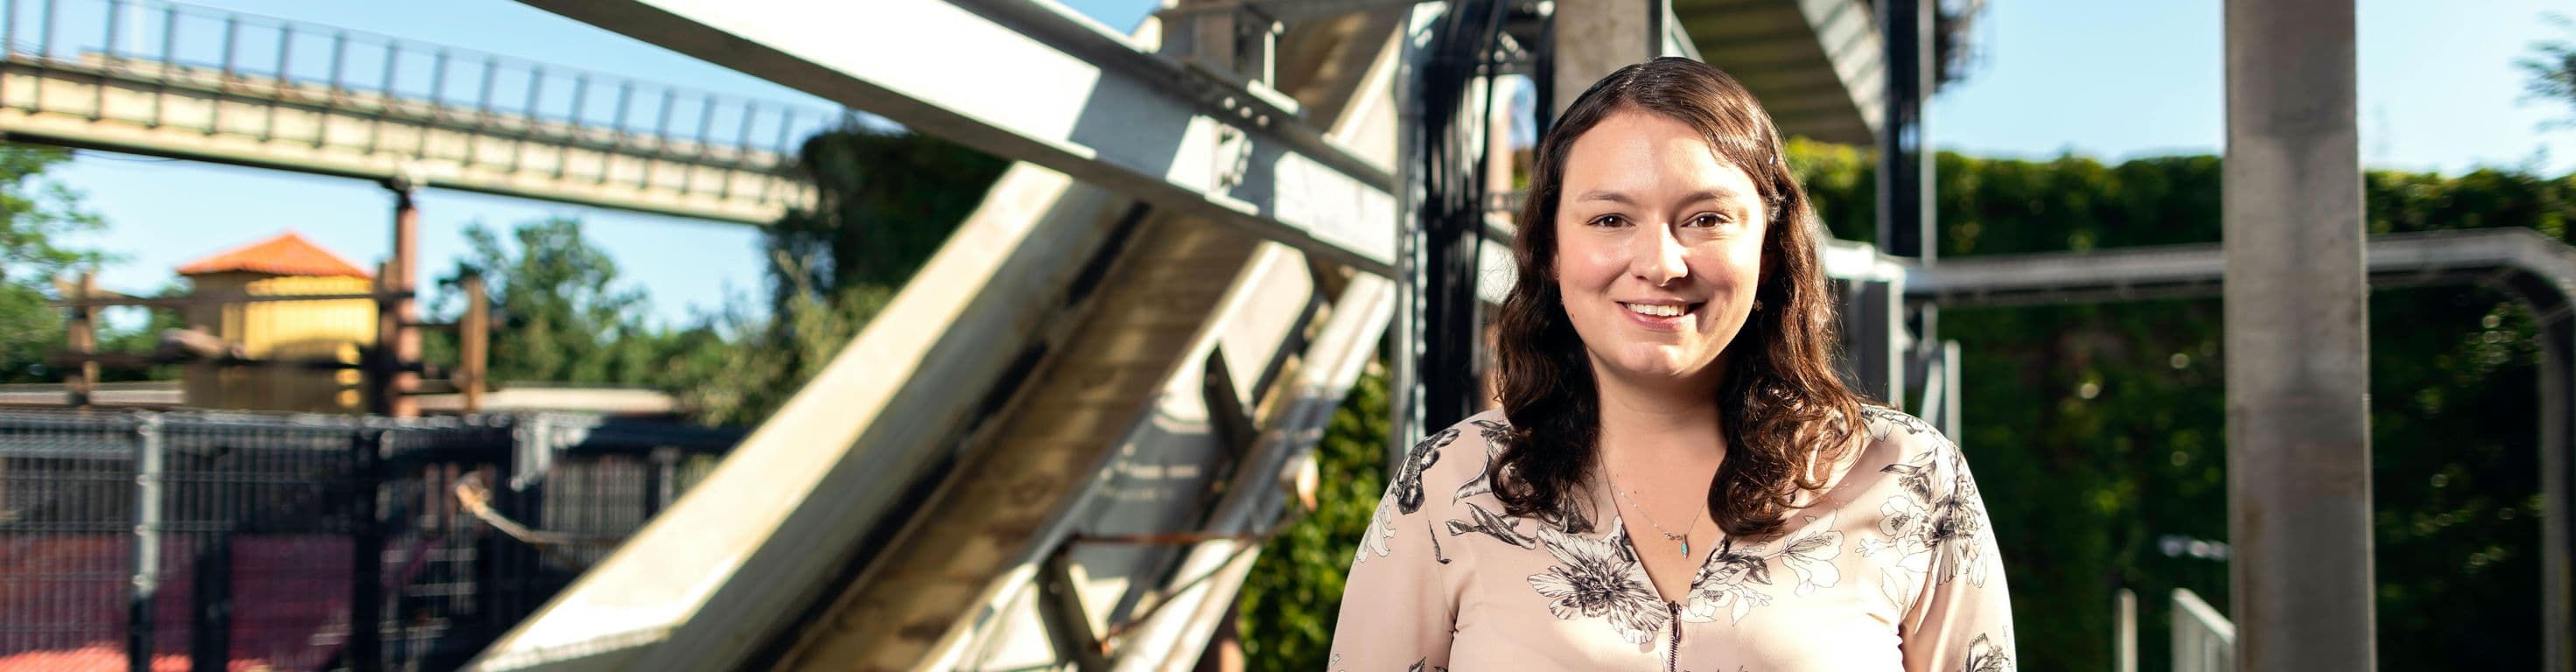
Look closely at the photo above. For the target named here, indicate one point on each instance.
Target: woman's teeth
(1656, 311)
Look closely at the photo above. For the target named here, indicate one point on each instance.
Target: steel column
(1905, 218)
(2298, 342)
(2557, 392)
(210, 622)
(1591, 39)
(365, 649)
(145, 585)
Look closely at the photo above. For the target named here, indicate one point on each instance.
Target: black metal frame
(1440, 322)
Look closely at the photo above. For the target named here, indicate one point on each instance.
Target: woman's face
(1659, 249)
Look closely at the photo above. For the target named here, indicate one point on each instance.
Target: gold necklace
(1684, 537)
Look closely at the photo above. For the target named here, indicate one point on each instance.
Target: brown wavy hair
(1782, 404)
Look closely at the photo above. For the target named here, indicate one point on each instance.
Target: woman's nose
(1656, 256)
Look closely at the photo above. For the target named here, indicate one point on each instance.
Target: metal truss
(1025, 80)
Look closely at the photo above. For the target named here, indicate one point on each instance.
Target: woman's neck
(1664, 425)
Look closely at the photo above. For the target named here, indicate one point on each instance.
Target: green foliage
(1294, 593)
(772, 358)
(2097, 430)
(2551, 69)
(560, 313)
(886, 201)
(36, 215)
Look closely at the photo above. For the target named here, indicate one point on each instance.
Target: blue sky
(2108, 80)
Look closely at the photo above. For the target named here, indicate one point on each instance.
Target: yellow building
(287, 264)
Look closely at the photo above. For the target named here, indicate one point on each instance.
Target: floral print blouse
(1890, 567)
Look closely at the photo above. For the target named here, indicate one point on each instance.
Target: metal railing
(168, 45)
(2203, 639)
(233, 540)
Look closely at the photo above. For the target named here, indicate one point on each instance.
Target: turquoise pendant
(1685, 548)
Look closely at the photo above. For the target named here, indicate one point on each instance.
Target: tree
(2552, 69)
(769, 359)
(885, 201)
(36, 215)
(558, 310)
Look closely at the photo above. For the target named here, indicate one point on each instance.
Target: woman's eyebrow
(1719, 194)
(1606, 195)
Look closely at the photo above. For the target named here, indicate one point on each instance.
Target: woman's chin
(1660, 366)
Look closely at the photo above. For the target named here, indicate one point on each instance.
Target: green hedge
(2099, 429)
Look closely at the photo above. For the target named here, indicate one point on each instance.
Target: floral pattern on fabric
(1408, 483)
(1936, 510)
(1728, 581)
(1985, 656)
(1599, 579)
(1891, 568)
(1505, 528)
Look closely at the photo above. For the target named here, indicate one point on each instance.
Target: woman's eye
(1707, 219)
(1609, 220)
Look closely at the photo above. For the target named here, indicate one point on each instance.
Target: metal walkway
(201, 84)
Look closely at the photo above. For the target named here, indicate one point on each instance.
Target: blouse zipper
(1673, 654)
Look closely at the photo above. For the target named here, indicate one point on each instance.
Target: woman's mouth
(1665, 316)
(1660, 309)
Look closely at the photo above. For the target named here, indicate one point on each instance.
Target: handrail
(141, 33)
(2203, 639)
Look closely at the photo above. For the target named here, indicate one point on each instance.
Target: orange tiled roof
(287, 254)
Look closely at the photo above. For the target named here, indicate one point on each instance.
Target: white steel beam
(1026, 80)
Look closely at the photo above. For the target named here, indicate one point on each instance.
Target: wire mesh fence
(215, 541)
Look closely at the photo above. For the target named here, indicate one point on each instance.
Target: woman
(1676, 479)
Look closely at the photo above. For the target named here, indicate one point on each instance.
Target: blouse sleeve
(1397, 613)
(1962, 622)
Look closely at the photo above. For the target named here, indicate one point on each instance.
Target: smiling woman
(1666, 357)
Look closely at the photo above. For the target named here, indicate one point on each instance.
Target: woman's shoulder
(1463, 447)
(1453, 458)
(1883, 424)
(1909, 446)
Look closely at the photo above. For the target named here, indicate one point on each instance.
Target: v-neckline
(1637, 569)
